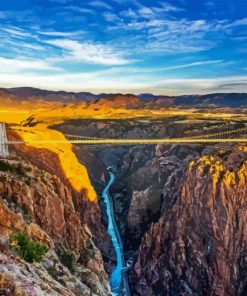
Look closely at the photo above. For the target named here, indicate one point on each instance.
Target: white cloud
(52, 33)
(162, 35)
(203, 86)
(15, 65)
(167, 7)
(89, 52)
(80, 9)
(74, 82)
(125, 80)
(150, 12)
(100, 4)
(17, 32)
(130, 13)
(145, 11)
(195, 64)
(110, 17)
(29, 45)
(237, 23)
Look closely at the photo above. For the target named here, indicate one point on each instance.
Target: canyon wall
(198, 245)
(36, 199)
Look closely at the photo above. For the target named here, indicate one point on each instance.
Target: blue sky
(164, 47)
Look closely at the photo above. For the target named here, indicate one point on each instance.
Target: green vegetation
(24, 209)
(67, 258)
(14, 199)
(27, 249)
(13, 168)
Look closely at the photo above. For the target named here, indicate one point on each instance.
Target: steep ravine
(181, 214)
(181, 211)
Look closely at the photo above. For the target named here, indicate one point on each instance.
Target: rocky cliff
(36, 199)
(198, 246)
(181, 213)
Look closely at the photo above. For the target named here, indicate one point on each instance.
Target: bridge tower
(4, 149)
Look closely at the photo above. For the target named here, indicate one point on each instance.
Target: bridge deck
(132, 141)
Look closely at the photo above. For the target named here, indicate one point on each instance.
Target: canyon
(180, 209)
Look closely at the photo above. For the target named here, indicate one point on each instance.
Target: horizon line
(120, 93)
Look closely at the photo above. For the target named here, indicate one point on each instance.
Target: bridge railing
(228, 134)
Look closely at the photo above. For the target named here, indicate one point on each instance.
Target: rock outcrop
(199, 244)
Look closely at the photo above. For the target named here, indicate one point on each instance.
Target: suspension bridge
(234, 135)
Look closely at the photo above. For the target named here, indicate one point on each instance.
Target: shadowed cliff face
(35, 200)
(198, 246)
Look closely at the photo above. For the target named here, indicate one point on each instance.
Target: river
(118, 278)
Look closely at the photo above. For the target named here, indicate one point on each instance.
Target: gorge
(141, 220)
(149, 186)
(123, 148)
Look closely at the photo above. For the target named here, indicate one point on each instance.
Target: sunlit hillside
(75, 172)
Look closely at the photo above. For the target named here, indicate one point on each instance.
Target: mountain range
(144, 100)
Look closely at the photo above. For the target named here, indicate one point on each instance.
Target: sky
(130, 46)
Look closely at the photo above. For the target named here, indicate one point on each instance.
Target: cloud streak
(89, 52)
(100, 4)
(18, 65)
(194, 64)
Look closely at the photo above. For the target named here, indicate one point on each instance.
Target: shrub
(24, 209)
(13, 168)
(67, 258)
(27, 249)
(14, 199)
(4, 166)
(20, 170)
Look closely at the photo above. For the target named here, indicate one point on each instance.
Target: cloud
(130, 13)
(75, 82)
(189, 65)
(108, 81)
(89, 52)
(150, 12)
(61, 34)
(167, 7)
(100, 4)
(16, 65)
(237, 23)
(32, 46)
(17, 32)
(80, 9)
(203, 86)
(145, 11)
(110, 17)
(164, 35)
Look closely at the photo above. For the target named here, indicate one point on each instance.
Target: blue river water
(116, 276)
